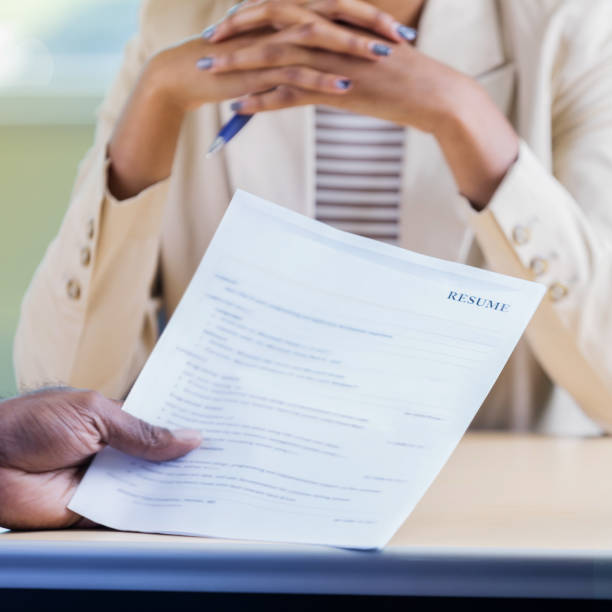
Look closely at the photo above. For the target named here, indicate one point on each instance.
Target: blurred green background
(57, 58)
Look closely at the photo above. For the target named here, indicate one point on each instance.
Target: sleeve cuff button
(521, 234)
(538, 266)
(73, 289)
(85, 256)
(557, 292)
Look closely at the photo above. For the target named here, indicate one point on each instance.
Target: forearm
(478, 142)
(563, 246)
(143, 145)
(570, 332)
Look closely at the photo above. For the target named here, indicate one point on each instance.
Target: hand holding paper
(330, 375)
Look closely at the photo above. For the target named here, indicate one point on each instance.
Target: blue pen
(237, 122)
(227, 132)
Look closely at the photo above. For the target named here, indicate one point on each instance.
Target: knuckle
(379, 17)
(92, 400)
(252, 82)
(256, 103)
(286, 95)
(356, 44)
(342, 6)
(151, 436)
(293, 74)
(308, 30)
(266, 79)
(271, 54)
(332, 6)
(273, 9)
(321, 81)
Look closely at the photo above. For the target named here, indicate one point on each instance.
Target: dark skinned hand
(47, 440)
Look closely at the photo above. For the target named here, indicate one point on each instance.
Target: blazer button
(521, 234)
(557, 291)
(91, 227)
(538, 266)
(73, 289)
(85, 256)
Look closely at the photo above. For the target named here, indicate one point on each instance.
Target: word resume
(331, 376)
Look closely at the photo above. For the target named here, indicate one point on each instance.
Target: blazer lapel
(467, 37)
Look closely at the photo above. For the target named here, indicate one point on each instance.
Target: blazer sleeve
(556, 227)
(88, 318)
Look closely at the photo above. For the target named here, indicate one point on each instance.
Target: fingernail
(236, 106)
(190, 436)
(209, 31)
(343, 83)
(380, 49)
(234, 8)
(406, 32)
(204, 63)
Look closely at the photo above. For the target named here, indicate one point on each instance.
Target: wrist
(143, 144)
(478, 142)
(156, 89)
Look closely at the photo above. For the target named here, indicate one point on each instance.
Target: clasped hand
(276, 54)
(273, 54)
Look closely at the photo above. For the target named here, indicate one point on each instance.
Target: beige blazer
(89, 316)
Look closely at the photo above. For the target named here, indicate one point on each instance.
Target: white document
(331, 375)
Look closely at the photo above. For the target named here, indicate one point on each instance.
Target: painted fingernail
(343, 83)
(380, 49)
(205, 63)
(236, 106)
(406, 32)
(209, 31)
(234, 8)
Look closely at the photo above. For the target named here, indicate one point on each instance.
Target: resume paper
(331, 375)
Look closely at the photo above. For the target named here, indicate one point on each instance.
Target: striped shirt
(358, 173)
